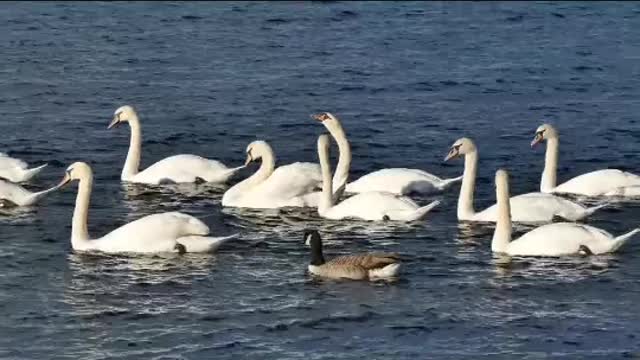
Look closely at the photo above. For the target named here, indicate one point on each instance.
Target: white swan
(165, 232)
(525, 208)
(183, 168)
(400, 181)
(595, 183)
(16, 170)
(17, 195)
(549, 240)
(270, 188)
(366, 206)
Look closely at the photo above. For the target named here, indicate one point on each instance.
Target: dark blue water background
(407, 79)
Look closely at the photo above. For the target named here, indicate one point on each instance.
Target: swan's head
(461, 147)
(544, 132)
(256, 150)
(122, 114)
(76, 171)
(328, 120)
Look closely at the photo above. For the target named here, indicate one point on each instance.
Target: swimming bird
(183, 168)
(534, 207)
(369, 266)
(595, 183)
(163, 232)
(271, 187)
(556, 239)
(371, 206)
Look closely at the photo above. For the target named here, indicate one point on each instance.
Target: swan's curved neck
(132, 164)
(267, 167)
(502, 233)
(79, 231)
(550, 173)
(341, 176)
(326, 199)
(465, 200)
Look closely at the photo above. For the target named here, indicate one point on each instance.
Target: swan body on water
(184, 168)
(556, 239)
(595, 183)
(526, 208)
(369, 206)
(16, 170)
(164, 232)
(271, 187)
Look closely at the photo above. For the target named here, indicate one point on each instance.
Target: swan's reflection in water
(567, 269)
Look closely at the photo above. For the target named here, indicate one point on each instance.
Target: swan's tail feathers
(35, 197)
(576, 216)
(413, 215)
(204, 244)
(389, 271)
(29, 173)
(591, 210)
(622, 239)
(448, 182)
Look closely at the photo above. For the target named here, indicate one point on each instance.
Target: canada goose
(355, 267)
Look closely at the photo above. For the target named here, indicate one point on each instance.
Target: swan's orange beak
(537, 139)
(453, 153)
(115, 122)
(320, 117)
(65, 180)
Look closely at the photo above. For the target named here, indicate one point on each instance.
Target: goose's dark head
(313, 240)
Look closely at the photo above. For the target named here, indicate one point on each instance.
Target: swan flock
(382, 195)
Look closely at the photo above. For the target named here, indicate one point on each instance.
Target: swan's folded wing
(156, 227)
(292, 180)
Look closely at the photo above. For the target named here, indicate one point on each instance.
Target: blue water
(407, 80)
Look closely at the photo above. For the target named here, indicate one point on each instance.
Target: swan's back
(534, 207)
(561, 239)
(598, 182)
(371, 206)
(291, 181)
(152, 233)
(396, 180)
(182, 169)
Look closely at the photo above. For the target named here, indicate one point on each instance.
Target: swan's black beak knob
(181, 249)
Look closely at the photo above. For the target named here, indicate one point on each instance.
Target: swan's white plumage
(19, 195)
(377, 205)
(16, 170)
(599, 182)
(565, 239)
(536, 208)
(150, 234)
(400, 181)
(595, 183)
(557, 239)
(184, 168)
(369, 206)
(270, 187)
(525, 208)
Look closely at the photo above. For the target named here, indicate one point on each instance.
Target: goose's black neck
(315, 242)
